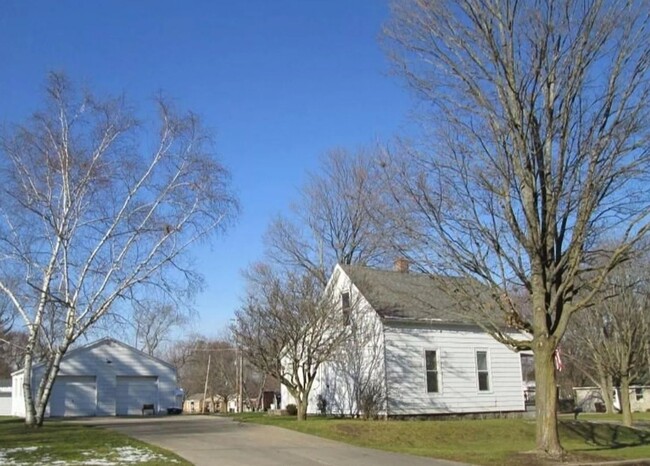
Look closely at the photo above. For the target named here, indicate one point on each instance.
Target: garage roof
(103, 341)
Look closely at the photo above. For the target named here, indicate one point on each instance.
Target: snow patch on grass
(28, 456)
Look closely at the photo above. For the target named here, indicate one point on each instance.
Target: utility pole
(240, 401)
(205, 388)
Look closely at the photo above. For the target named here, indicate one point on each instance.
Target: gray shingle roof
(411, 296)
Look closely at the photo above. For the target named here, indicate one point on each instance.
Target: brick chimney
(401, 265)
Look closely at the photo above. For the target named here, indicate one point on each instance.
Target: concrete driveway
(215, 441)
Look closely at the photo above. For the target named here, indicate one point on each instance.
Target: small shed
(104, 378)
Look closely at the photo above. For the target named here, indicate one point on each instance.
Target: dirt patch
(348, 429)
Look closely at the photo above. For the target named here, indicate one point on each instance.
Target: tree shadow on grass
(605, 436)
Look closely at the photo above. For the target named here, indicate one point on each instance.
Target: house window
(345, 305)
(431, 362)
(638, 393)
(482, 371)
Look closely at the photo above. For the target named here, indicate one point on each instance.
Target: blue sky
(280, 82)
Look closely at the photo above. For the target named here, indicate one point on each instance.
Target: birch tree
(97, 209)
(537, 146)
(288, 329)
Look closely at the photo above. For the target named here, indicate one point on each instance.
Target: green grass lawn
(640, 418)
(488, 442)
(76, 444)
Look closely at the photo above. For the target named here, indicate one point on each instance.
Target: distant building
(590, 399)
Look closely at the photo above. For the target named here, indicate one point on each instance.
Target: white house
(412, 349)
(104, 378)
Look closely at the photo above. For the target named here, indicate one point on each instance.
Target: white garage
(105, 378)
(74, 396)
(5, 401)
(135, 392)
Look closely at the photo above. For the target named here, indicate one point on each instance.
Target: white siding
(360, 360)
(459, 393)
(587, 397)
(5, 403)
(74, 396)
(107, 360)
(134, 392)
(17, 398)
(642, 404)
(395, 355)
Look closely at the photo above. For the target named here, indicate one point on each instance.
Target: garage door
(73, 396)
(133, 392)
(5, 404)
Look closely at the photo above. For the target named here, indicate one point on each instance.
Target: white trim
(488, 361)
(438, 370)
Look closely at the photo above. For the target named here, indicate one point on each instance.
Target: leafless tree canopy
(610, 343)
(287, 328)
(355, 382)
(153, 324)
(539, 147)
(11, 341)
(331, 221)
(95, 210)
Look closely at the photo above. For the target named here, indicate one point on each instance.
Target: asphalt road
(215, 441)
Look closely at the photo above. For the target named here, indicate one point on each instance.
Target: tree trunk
(606, 391)
(302, 409)
(260, 395)
(45, 387)
(548, 440)
(30, 411)
(301, 405)
(624, 398)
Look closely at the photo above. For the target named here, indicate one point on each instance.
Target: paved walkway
(215, 441)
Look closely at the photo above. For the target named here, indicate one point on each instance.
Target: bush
(322, 404)
(370, 400)
(292, 410)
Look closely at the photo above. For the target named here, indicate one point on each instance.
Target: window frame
(438, 371)
(638, 393)
(488, 370)
(346, 311)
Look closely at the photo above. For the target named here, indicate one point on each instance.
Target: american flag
(557, 358)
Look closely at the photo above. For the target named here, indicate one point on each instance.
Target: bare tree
(190, 364)
(615, 334)
(330, 222)
(357, 369)
(582, 344)
(95, 212)
(541, 147)
(287, 329)
(11, 340)
(179, 353)
(153, 323)
(224, 371)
